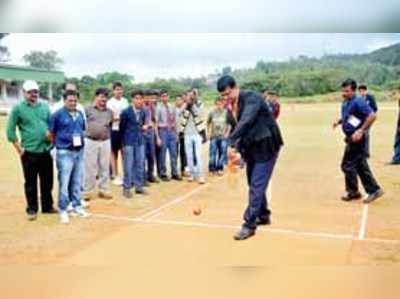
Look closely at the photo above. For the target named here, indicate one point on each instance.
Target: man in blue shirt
(396, 156)
(357, 117)
(132, 127)
(370, 99)
(67, 127)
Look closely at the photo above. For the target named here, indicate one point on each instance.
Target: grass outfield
(155, 247)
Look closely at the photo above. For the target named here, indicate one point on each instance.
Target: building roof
(20, 73)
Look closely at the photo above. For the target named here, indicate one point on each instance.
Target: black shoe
(50, 211)
(127, 194)
(176, 178)
(265, 221)
(141, 191)
(31, 215)
(164, 178)
(374, 196)
(351, 196)
(244, 234)
(152, 180)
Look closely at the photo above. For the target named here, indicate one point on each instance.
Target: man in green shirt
(31, 117)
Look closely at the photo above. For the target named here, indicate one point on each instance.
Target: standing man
(31, 117)
(97, 146)
(167, 126)
(357, 117)
(396, 157)
(150, 136)
(258, 139)
(132, 127)
(194, 128)
(179, 104)
(218, 130)
(67, 127)
(370, 99)
(116, 104)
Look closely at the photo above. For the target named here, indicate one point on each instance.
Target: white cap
(30, 85)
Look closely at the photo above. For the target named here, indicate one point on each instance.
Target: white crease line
(175, 201)
(363, 225)
(227, 226)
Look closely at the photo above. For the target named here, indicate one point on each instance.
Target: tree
(4, 53)
(48, 60)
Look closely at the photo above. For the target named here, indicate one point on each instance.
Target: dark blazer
(371, 102)
(130, 126)
(257, 134)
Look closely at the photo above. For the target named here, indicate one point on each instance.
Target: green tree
(48, 60)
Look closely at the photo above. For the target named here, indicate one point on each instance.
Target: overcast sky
(149, 55)
(200, 16)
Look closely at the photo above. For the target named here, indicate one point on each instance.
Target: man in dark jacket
(258, 139)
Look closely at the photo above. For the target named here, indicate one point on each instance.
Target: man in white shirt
(116, 104)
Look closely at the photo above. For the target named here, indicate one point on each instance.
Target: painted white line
(175, 201)
(227, 226)
(363, 225)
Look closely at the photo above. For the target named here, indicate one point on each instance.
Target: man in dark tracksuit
(370, 99)
(357, 117)
(258, 139)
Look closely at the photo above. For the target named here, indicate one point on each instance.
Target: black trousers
(36, 165)
(354, 165)
(182, 153)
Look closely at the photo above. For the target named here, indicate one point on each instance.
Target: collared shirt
(370, 99)
(117, 105)
(354, 113)
(98, 123)
(32, 122)
(67, 127)
(166, 116)
(218, 121)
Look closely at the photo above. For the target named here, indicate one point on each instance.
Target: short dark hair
(117, 84)
(101, 90)
(136, 92)
(350, 82)
(362, 87)
(163, 91)
(224, 82)
(69, 92)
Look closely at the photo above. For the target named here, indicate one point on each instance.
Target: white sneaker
(190, 179)
(80, 212)
(117, 181)
(70, 208)
(64, 218)
(201, 181)
(85, 204)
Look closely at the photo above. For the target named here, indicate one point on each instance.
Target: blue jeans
(193, 155)
(168, 142)
(217, 154)
(133, 164)
(396, 157)
(70, 171)
(150, 152)
(258, 177)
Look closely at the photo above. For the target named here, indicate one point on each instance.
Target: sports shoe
(190, 179)
(350, 197)
(201, 180)
(244, 234)
(80, 212)
(117, 181)
(127, 194)
(64, 218)
(32, 216)
(374, 196)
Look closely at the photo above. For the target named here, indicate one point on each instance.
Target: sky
(200, 16)
(165, 55)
